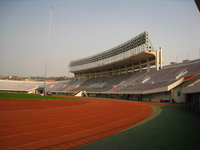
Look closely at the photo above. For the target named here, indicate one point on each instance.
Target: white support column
(160, 58)
(148, 65)
(157, 60)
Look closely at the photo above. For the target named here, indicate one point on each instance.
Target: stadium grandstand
(36, 87)
(132, 70)
(134, 55)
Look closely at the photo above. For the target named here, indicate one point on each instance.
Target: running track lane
(57, 125)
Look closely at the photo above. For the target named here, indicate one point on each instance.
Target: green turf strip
(31, 96)
(169, 129)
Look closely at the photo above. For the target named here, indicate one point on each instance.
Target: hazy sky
(82, 28)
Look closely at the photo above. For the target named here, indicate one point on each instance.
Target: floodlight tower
(46, 52)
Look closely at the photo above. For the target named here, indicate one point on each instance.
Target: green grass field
(171, 128)
(31, 96)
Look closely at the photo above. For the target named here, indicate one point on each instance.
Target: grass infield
(31, 96)
(170, 128)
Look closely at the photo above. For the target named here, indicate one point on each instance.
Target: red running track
(57, 125)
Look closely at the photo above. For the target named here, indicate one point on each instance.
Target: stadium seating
(72, 85)
(56, 86)
(18, 85)
(138, 81)
(25, 86)
(100, 84)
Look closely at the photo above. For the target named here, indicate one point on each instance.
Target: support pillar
(140, 67)
(157, 60)
(113, 71)
(95, 74)
(161, 58)
(148, 65)
(90, 74)
(133, 69)
(126, 70)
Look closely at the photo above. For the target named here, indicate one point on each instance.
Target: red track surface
(32, 124)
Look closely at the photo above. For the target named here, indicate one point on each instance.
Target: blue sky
(82, 28)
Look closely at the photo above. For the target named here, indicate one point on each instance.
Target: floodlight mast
(46, 53)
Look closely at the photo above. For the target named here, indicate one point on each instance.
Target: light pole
(46, 52)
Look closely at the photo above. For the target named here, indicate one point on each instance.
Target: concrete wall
(156, 97)
(177, 94)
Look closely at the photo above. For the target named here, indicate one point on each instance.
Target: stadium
(120, 95)
(132, 70)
